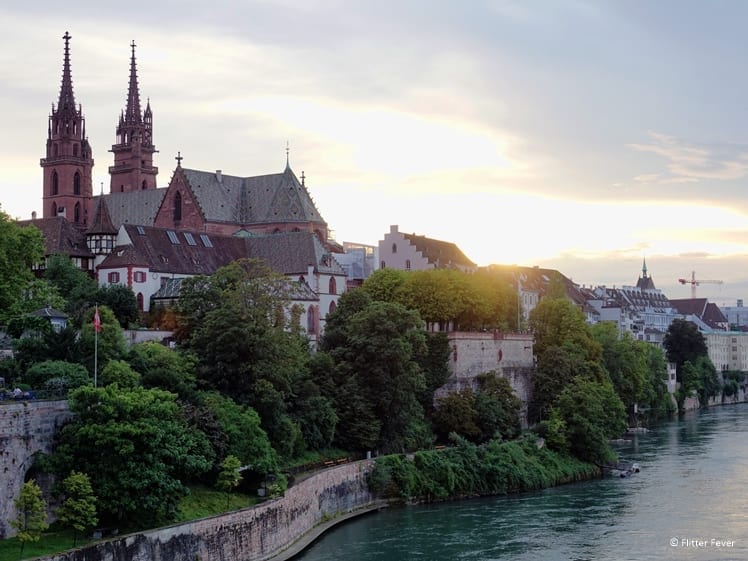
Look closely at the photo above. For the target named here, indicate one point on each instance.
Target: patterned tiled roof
(277, 197)
(293, 252)
(60, 236)
(137, 207)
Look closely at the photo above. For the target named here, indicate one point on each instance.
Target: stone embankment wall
(252, 534)
(509, 354)
(26, 428)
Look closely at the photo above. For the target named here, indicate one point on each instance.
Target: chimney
(219, 176)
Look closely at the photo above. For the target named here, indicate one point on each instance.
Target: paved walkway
(312, 535)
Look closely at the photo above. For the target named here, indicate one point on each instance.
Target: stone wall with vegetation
(26, 427)
(252, 534)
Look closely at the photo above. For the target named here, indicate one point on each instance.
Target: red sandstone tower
(68, 164)
(133, 168)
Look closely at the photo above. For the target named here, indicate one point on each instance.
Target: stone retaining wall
(26, 428)
(253, 534)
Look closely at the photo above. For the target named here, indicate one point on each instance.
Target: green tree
(378, 354)
(56, 375)
(683, 343)
(110, 341)
(229, 476)
(592, 414)
(31, 519)
(20, 248)
(78, 288)
(78, 509)
(150, 451)
(385, 284)
(122, 301)
(119, 372)
(164, 368)
(456, 413)
(557, 321)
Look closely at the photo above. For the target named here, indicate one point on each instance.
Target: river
(689, 502)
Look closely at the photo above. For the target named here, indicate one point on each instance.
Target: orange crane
(694, 282)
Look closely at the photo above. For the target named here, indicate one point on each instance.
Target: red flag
(97, 321)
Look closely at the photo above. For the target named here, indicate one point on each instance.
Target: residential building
(409, 252)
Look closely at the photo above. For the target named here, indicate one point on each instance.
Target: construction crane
(694, 282)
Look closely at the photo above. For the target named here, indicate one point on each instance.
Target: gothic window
(55, 183)
(332, 306)
(77, 184)
(145, 185)
(177, 207)
(333, 286)
(311, 321)
(394, 248)
(77, 213)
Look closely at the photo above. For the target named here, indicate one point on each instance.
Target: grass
(201, 502)
(205, 501)
(52, 541)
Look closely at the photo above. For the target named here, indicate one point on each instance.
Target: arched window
(55, 183)
(177, 207)
(139, 297)
(311, 321)
(77, 213)
(333, 289)
(144, 186)
(77, 184)
(333, 306)
(394, 248)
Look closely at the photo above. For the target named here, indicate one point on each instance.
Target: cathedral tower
(133, 168)
(68, 163)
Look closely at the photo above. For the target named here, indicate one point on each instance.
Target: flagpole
(96, 344)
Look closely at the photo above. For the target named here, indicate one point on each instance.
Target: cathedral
(146, 237)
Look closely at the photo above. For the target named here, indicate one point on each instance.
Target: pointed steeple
(644, 268)
(66, 103)
(133, 168)
(68, 162)
(100, 237)
(132, 113)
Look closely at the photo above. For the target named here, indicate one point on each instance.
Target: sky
(583, 136)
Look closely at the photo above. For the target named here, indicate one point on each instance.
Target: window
(311, 321)
(190, 239)
(332, 306)
(75, 150)
(407, 264)
(141, 231)
(77, 213)
(140, 301)
(54, 209)
(206, 240)
(113, 277)
(382, 265)
(77, 184)
(139, 276)
(333, 288)
(55, 183)
(144, 186)
(177, 207)
(394, 248)
(172, 237)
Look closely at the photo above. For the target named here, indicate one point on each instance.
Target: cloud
(689, 163)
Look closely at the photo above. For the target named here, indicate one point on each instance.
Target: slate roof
(61, 236)
(137, 207)
(102, 222)
(197, 253)
(537, 279)
(277, 197)
(171, 288)
(293, 252)
(439, 253)
(706, 311)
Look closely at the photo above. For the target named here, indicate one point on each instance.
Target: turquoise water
(689, 502)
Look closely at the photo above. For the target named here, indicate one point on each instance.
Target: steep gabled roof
(293, 252)
(706, 311)
(102, 222)
(277, 197)
(60, 236)
(136, 207)
(439, 253)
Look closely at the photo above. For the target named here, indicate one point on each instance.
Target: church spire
(132, 113)
(66, 103)
(644, 268)
(67, 163)
(133, 168)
